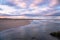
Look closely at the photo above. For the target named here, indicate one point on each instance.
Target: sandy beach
(7, 24)
(36, 30)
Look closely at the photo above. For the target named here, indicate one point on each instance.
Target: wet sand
(39, 30)
(7, 24)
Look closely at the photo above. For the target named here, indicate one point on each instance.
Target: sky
(29, 7)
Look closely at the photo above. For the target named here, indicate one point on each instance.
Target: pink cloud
(23, 3)
(19, 3)
(35, 3)
(53, 3)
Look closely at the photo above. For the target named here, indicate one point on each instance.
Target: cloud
(6, 9)
(25, 3)
(33, 7)
(35, 3)
(36, 10)
(18, 3)
(56, 12)
(53, 3)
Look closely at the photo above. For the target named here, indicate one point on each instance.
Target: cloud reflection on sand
(39, 29)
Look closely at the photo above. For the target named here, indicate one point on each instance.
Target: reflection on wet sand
(36, 30)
